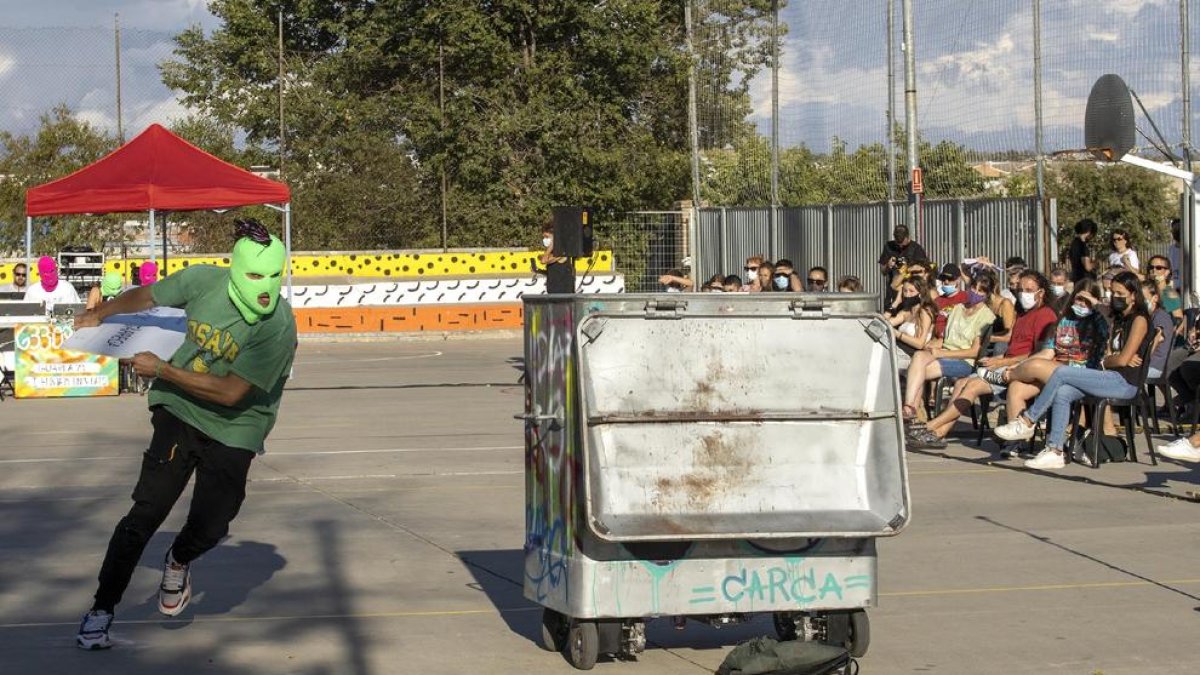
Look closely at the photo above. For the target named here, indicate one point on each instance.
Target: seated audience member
(1068, 385)
(785, 269)
(764, 284)
(751, 270)
(1060, 290)
(715, 284)
(1158, 271)
(1013, 268)
(1162, 321)
(1027, 335)
(1182, 449)
(1106, 280)
(675, 281)
(733, 283)
(1078, 341)
(912, 320)
(1004, 309)
(954, 354)
(1122, 254)
(949, 294)
(817, 280)
(849, 284)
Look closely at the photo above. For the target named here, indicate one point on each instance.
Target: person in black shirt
(897, 254)
(1083, 266)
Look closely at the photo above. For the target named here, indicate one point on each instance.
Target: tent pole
(287, 244)
(150, 255)
(166, 225)
(28, 247)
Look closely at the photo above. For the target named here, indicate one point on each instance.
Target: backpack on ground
(768, 656)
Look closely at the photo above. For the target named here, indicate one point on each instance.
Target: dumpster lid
(717, 419)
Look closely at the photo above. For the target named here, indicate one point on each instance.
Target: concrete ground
(382, 534)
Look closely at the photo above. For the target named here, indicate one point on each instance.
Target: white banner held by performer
(159, 330)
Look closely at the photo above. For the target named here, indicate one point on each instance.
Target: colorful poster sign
(46, 370)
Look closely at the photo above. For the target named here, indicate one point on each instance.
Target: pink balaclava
(148, 273)
(48, 271)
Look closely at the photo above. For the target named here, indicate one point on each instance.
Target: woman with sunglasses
(1122, 254)
(1068, 385)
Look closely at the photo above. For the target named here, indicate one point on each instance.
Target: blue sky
(974, 73)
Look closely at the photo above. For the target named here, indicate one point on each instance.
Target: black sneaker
(923, 439)
(93, 630)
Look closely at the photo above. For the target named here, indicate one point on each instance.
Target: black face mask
(909, 303)
(1119, 305)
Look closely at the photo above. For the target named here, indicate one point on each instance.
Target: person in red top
(949, 295)
(1027, 334)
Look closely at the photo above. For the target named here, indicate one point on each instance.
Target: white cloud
(1102, 36)
(6, 64)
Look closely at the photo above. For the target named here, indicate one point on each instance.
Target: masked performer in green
(211, 406)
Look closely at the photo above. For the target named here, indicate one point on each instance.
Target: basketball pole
(1190, 236)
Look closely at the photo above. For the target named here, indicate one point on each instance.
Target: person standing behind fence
(1083, 265)
(896, 254)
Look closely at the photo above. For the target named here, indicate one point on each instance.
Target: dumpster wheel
(860, 633)
(583, 644)
(555, 627)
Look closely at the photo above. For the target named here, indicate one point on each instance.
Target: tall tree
(1115, 196)
(519, 104)
(61, 145)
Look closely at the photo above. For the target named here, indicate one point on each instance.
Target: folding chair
(1129, 410)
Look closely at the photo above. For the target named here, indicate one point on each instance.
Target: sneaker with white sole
(93, 630)
(1047, 459)
(994, 377)
(1016, 430)
(175, 591)
(1180, 449)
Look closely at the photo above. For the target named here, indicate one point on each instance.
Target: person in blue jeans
(1115, 379)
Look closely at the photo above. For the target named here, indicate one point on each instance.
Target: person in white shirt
(19, 284)
(1123, 254)
(50, 289)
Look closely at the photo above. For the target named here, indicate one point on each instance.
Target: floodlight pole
(1188, 258)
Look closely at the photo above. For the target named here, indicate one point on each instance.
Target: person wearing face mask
(912, 320)
(785, 269)
(949, 295)
(1006, 310)
(212, 405)
(1162, 321)
(766, 274)
(560, 273)
(751, 270)
(1060, 291)
(1077, 341)
(1027, 335)
(1068, 385)
(50, 289)
(108, 288)
(952, 355)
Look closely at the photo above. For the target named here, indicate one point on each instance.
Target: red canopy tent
(156, 171)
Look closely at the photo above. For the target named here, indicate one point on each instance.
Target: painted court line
(297, 453)
(299, 617)
(1040, 587)
(411, 357)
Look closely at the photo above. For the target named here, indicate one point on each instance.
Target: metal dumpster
(706, 457)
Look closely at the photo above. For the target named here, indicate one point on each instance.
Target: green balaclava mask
(267, 262)
(110, 285)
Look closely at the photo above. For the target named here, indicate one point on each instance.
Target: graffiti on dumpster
(552, 455)
(780, 584)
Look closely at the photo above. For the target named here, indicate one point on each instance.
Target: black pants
(1186, 379)
(176, 451)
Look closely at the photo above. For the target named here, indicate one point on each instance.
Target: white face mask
(672, 289)
(1028, 300)
(1081, 311)
(1058, 290)
(546, 241)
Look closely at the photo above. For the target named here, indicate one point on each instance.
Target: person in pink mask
(148, 273)
(50, 289)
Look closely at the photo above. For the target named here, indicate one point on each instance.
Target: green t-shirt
(219, 341)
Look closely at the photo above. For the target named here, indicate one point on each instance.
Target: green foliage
(61, 146)
(1115, 196)
(580, 104)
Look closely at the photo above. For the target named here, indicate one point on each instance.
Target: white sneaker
(1180, 449)
(176, 588)
(1016, 430)
(1047, 459)
(93, 630)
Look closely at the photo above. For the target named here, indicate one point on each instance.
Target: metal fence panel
(950, 230)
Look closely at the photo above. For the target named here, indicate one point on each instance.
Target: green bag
(768, 656)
